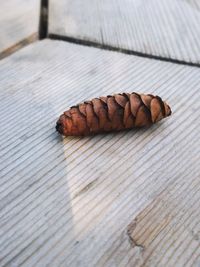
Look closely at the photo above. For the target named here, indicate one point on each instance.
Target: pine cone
(112, 113)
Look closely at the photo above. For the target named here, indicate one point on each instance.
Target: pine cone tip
(168, 110)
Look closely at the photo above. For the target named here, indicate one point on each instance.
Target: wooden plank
(19, 21)
(168, 29)
(121, 199)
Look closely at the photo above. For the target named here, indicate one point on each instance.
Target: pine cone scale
(155, 109)
(121, 100)
(82, 109)
(143, 117)
(146, 99)
(135, 102)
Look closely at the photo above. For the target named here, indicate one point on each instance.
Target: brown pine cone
(112, 113)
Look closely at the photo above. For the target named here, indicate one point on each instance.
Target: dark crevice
(121, 50)
(43, 24)
(126, 96)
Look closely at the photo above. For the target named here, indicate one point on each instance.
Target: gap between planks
(12, 49)
(43, 25)
(117, 49)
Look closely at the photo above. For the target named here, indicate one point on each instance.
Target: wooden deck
(168, 29)
(19, 22)
(127, 199)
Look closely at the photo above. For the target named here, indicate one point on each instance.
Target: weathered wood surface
(121, 199)
(19, 24)
(162, 28)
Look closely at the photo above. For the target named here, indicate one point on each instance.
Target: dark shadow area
(43, 25)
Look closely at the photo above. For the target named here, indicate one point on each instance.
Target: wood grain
(168, 29)
(121, 199)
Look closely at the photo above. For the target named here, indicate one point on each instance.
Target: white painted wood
(158, 27)
(19, 19)
(70, 201)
